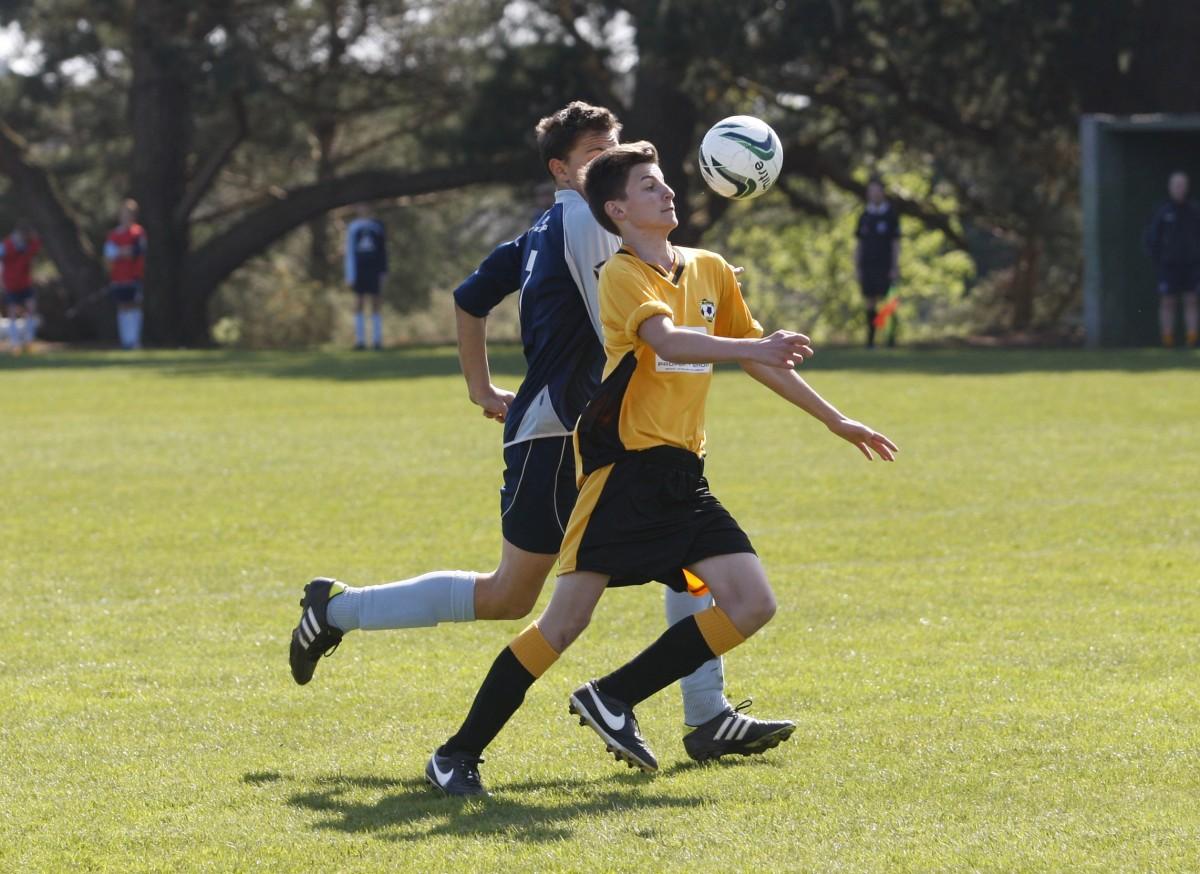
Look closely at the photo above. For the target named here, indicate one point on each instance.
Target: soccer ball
(740, 157)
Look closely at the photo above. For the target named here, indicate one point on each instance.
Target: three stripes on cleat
(308, 628)
(732, 728)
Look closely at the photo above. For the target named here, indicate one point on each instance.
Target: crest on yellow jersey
(708, 309)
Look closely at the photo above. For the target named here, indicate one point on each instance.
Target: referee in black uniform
(877, 258)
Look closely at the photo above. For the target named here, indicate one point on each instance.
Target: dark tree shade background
(237, 122)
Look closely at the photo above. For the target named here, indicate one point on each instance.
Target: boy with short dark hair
(554, 267)
(644, 509)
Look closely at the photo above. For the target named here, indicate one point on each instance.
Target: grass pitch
(990, 647)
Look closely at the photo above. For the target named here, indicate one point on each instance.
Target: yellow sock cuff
(533, 651)
(718, 631)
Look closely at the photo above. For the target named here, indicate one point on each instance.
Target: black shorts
(368, 285)
(647, 517)
(126, 292)
(875, 284)
(1178, 278)
(538, 493)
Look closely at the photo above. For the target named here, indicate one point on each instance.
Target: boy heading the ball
(554, 266)
(644, 510)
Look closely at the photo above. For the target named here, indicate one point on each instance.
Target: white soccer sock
(123, 328)
(441, 596)
(30, 328)
(704, 688)
(377, 329)
(14, 332)
(360, 330)
(135, 327)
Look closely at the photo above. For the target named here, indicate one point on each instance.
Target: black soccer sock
(872, 313)
(680, 649)
(512, 673)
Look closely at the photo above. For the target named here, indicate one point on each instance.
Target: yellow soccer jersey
(645, 401)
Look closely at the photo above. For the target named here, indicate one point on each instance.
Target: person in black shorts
(877, 256)
(645, 510)
(1172, 240)
(366, 273)
(554, 268)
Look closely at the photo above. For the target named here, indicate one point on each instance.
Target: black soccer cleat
(313, 636)
(615, 723)
(734, 733)
(455, 774)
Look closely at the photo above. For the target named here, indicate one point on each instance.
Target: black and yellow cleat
(734, 733)
(313, 636)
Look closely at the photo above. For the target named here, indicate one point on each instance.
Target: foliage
(987, 645)
(238, 122)
(800, 271)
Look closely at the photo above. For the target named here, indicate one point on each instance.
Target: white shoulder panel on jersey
(586, 246)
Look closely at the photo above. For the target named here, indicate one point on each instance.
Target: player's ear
(558, 169)
(614, 210)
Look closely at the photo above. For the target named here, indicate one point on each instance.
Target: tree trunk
(161, 119)
(663, 112)
(324, 132)
(1025, 283)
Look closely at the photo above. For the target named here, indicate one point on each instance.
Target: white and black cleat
(313, 636)
(455, 774)
(735, 733)
(615, 723)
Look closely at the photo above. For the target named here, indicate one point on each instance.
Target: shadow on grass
(507, 361)
(409, 810)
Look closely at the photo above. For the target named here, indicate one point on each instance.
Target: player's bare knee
(517, 605)
(565, 631)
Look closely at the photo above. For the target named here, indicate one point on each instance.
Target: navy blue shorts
(1178, 278)
(18, 298)
(126, 292)
(538, 493)
(368, 285)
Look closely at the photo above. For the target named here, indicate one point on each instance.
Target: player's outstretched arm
(473, 357)
(783, 349)
(790, 386)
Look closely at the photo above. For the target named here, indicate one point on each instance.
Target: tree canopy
(236, 122)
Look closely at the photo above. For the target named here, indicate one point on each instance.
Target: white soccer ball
(740, 157)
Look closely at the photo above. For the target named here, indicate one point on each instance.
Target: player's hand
(782, 349)
(865, 439)
(494, 401)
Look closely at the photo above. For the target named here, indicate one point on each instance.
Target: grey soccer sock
(441, 596)
(704, 688)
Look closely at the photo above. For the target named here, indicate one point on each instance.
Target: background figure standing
(1173, 241)
(125, 252)
(366, 271)
(877, 257)
(16, 253)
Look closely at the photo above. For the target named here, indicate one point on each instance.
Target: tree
(191, 94)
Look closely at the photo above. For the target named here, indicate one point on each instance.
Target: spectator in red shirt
(125, 251)
(17, 251)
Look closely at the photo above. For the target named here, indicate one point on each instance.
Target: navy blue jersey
(554, 266)
(877, 228)
(366, 252)
(1173, 235)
